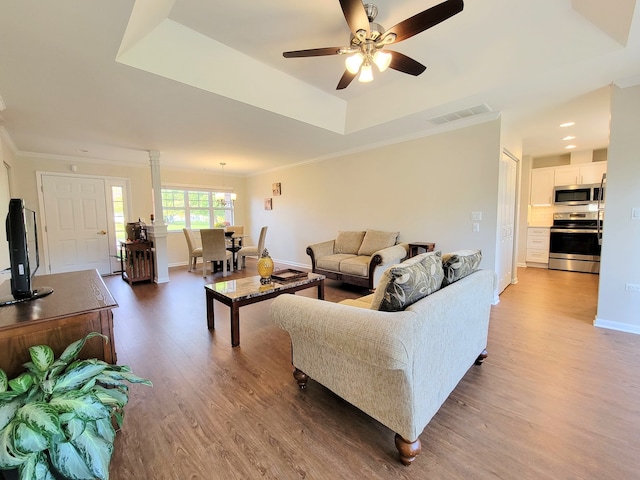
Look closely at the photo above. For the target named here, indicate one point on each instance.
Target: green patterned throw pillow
(459, 264)
(404, 284)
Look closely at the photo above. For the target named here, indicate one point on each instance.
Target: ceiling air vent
(460, 114)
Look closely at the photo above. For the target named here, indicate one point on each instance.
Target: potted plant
(57, 419)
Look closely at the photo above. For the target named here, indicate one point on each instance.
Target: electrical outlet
(632, 287)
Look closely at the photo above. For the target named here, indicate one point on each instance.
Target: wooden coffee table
(245, 291)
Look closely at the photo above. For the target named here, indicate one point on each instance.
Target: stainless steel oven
(574, 242)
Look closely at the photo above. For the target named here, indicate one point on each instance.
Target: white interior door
(506, 220)
(75, 215)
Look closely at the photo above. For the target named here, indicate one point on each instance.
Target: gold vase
(265, 267)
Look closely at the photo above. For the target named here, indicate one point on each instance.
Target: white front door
(506, 220)
(75, 214)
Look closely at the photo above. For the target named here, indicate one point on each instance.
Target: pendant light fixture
(220, 197)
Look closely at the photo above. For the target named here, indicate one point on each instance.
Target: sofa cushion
(457, 265)
(332, 262)
(404, 284)
(348, 242)
(356, 265)
(375, 240)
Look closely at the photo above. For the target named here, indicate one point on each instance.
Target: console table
(80, 304)
(414, 247)
(136, 261)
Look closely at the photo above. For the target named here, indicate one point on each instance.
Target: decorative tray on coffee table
(288, 275)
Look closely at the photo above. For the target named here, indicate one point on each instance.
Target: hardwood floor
(556, 398)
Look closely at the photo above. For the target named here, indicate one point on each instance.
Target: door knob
(102, 232)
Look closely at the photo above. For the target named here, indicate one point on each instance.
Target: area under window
(195, 209)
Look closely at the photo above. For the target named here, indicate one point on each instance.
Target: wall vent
(460, 114)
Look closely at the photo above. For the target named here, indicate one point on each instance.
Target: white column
(157, 231)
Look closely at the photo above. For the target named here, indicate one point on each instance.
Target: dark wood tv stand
(80, 303)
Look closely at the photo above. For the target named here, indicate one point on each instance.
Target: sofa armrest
(317, 250)
(389, 255)
(383, 339)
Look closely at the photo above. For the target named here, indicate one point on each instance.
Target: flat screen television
(22, 236)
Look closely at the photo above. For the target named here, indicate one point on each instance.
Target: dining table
(234, 248)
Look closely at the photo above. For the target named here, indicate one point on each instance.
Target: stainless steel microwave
(578, 194)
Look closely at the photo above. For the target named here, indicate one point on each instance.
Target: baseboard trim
(621, 327)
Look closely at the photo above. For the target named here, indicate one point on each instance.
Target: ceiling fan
(369, 40)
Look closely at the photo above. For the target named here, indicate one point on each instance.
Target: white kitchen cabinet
(541, 186)
(592, 173)
(568, 175)
(580, 174)
(538, 246)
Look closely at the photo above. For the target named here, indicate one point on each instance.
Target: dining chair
(253, 250)
(214, 249)
(194, 251)
(237, 230)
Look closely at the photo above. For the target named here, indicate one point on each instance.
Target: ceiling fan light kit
(368, 39)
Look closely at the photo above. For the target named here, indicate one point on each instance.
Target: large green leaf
(112, 397)
(68, 461)
(36, 468)
(8, 409)
(84, 406)
(28, 440)
(42, 356)
(105, 429)
(21, 383)
(74, 378)
(73, 428)
(9, 456)
(41, 417)
(129, 377)
(4, 381)
(71, 352)
(95, 450)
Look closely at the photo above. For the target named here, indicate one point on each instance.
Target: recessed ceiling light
(570, 146)
(568, 124)
(569, 137)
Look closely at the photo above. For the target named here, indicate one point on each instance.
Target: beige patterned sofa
(399, 366)
(357, 257)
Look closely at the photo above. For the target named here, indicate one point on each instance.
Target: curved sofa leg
(301, 378)
(481, 357)
(408, 450)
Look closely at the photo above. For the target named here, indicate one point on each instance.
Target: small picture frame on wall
(276, 188)
(268, 205)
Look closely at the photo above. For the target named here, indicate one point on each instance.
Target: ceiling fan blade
(404, 64)
(356, 16)
(424, 20)
(313, 52)
(346, 79)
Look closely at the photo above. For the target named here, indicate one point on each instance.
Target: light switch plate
(635, 213)
(476, 215)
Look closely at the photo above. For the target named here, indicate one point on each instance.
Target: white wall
(425, 188)
(620, 262)
(6, 158)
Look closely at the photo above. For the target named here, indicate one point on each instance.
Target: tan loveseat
(397, 366)
(357, 257)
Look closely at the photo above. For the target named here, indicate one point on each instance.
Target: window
(196, 209)
(117, 197)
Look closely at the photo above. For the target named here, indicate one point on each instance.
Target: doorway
(507, 188)
(80, 226)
